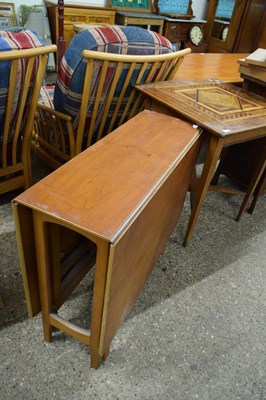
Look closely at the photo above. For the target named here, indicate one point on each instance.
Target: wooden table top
(211, 65)
(221, 108)
(104, 188)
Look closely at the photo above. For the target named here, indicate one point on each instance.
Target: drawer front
(176, 31)
(97, 20)
(87, 19)
(74, 18)
(88, 16)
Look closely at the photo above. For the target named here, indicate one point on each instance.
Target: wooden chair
(95, 94)
(22, 72)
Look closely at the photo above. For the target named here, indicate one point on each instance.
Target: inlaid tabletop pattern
(218, 107)
(219, 101)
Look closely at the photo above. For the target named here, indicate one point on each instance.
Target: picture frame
(7, 15)
(132, 5)
(174, 8)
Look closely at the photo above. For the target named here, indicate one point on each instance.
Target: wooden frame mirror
(235, 25)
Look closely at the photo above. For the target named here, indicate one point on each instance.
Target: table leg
(43, 274)
(212, 157)
(252, 186)
(259, 188)
(99, 289)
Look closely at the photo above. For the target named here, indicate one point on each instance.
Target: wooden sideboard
(76, 14)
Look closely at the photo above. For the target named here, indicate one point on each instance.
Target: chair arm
(57, 114)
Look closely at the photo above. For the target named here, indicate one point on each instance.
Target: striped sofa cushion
(14, 41)
(111, 39)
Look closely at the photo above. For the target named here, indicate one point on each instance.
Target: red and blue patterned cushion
(111, 39)
(47, 96)
(14, 41)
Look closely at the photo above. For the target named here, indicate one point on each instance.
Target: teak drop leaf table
(115, 206)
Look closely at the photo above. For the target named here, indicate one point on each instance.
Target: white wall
(37, 2)
(199, 8)
(98, 3)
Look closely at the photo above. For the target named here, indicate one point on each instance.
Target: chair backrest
(96, 77)
(23, 59)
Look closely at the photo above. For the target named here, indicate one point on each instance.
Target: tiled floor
(196, 332)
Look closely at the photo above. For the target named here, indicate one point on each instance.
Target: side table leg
(212, 157)
(252, 186)
(257, 193)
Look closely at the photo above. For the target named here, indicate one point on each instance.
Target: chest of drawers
(76, 14)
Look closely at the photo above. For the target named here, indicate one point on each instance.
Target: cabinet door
(252, 27)
(68, 33)
(223, 21)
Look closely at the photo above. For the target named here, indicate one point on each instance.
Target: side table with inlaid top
(228, 115)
